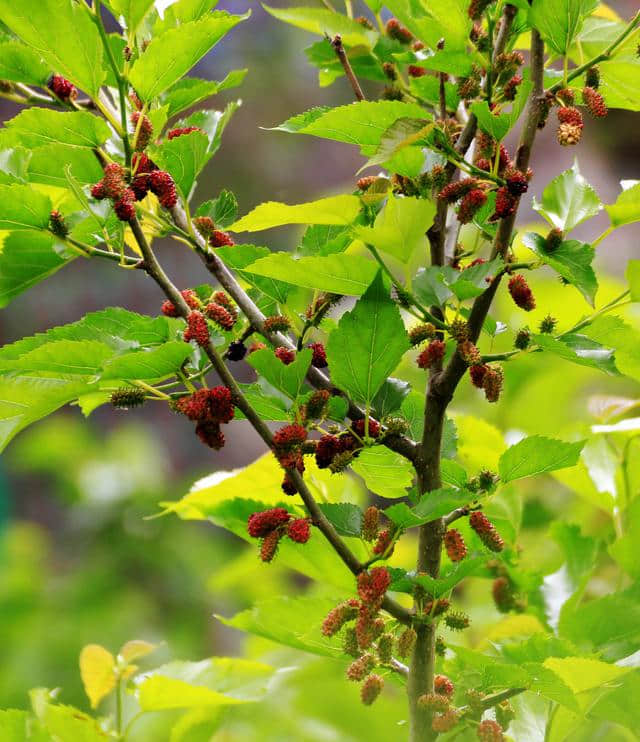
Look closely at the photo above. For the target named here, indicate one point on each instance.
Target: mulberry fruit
(569, 134)
(319, 355)
(276, 323)
(419, 333)
(64, 89)
(443, 686)
(127, 397)
(456, 190)
(455, 545)
(142, 130)
(570, 115)
(594, 102)
(371, 689)
(490, 731)
(477, 374)
(57, 224)
(285, 355)
(210, 434)
(517, 182)
(181, 132)
(521, 293)
(432, 354)
(398, 32)
(236, 351)
(219, 238)
(486, 531)
(269, 546)
(506, 203)
(373, 585)
(370, 523)
(220, 315)
(260, 524)
(161, 184)
(113, 182)
(445, 722)
(299, 530)
(470, 204)
(492, 383)
(197, 328)
(125, 206)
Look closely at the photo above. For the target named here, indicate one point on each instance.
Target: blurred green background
(81, 562)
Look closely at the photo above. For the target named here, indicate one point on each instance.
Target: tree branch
(156, 272)
(336, 43)
(398, 443)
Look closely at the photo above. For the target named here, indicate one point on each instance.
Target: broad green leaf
(499, 125)
(568, 200)
(633, 277)
(63, 357)
(582, 673)
(580, 349)
(132, 12)
(36, 127)
(402, 137)
(618, 82)
(184, 157)
(20, 63)
(332, 210)
(400, 227)
(389, 397)
(473, 280)
(616, 333)
(191, 90)
(98, 672)
(571, 260)
(151, 75)
(64, 35)
(429, 286)
(626, 209)
(69, 723)
(537, 455)
(13, 725)
(614, 706)
(340, 274)
(182, 11)
(363, 123)
(47, 165)
(412, 409)
(287, 379)
(223, 210)
(325, 239)
(27, 258)
(368, 343)
(385, 472)
(240, 257)
(432, 505)
(156, 363)
(14, 163)
(219, 681)
(268, 407)
(560, 21)
(480, 444)
(345, 517)
(322, 21)
(294, 622)
(21, 207)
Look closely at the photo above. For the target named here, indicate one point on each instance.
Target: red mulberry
(285, 355)
(197, 328)
(181, 132)
(260, 524)
(269, 546)
(289, 437)
(221, 316)
(64, 89)
(414, 71)
(328, 447)
(486, 531)
(162, 185)
(445, 722)
(490, 731)
(432, 354)
(455, 545)
(220, 239)
(517, 182)
(443, 686)
(373, 585)
(210, 434)
(492, 383)
(371, 689)
(276, 323)
(319, 355)
(594, 102)
(570, 115)
(456, 190)
(142, 130)
(506, 203)
(97, 191)
(470, 204)
(140, 163)
(521, 293)
(140, 186)
(385, 539)
(125, 206)
(373, 428)
(398, 32)
(113, 182)
(434, 702)
(299, 530)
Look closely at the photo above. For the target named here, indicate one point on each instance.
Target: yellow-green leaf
(97, 670)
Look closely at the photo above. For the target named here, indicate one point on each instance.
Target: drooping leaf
(400, 227)
(340, 274)
(436, 20)
(97, 670)
(332, 210)
(580, 349)
(571, 260)
(287, 379)
(537, 455)
(560, 21)
(64, 35)
(151, 75)
(568, 200)
(156, 363)
(363, 123)
(367, 344)
(385, 472)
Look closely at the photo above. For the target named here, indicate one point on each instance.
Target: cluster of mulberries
(570, 121)
(486, 531)
(197, 328)
(289, 447)
(113, 186)
(419, 333)
(336, 452)
(432, 354)
(521, 293)
(272, 525)
(490, 731)
(455, 545)
(221, 310)
(209, 409)
(190, 297)
(488, 378)
(61, 87)
(397, 31)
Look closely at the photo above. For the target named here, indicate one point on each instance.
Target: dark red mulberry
(470, 204)
(181, 132)
(358, 427)
(455, 545)
(477, 374)
(162, 185)
(456, 190)
(328, 447)
(506, 203)
(220, 315)
(260, 524)
(220, 239)
(269, 546)
(594, 102)
(432, 354)
(492, 383)
(521, 293)
(286, 355)
(140, 186)
(64, 89)
(197, 328)
(289, 437)
(517, 182)
(486, 531)
(113, 182)
(125, 206)
(299, 530)
(210, 434)
(319, 356)
(414, 71)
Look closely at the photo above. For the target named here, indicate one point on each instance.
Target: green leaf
(47, 165)
(385, 472)
(402, 138)
(219, 681)
(21, 207)
(132, 12)
(432, 505)
(632, 275)
(368, 343)
(240, 257)
(20, 63)
(183, 11)
(13, 725)
(429, 286)
(64, 35)
(568, 200)
(363, 123)
(571, 260)
(325, 239)
(560, 21)
(618, 82)
(64, 357)
(472, 281)
(537, 455)
(27, 258)
(499, 125)
(287, 379)
(345, 517)
(189, 91)
(322, 21)
(616, 333)
(294, 622)
(626, 209)
(400, 227)
(156, 363)
(332, 210)
(340, 274)
(69, 723)
(580, 349)
(184, 157)
(36, 127)
(389, 397)
(223, 210)
(151, 75)
(268, 407)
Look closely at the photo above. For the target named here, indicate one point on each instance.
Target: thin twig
(336, 43)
